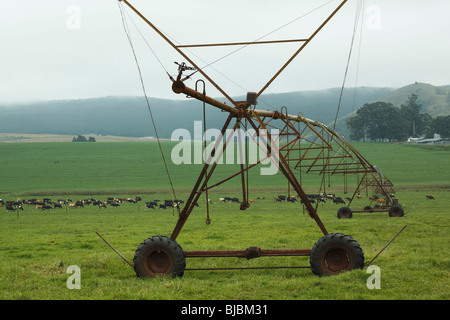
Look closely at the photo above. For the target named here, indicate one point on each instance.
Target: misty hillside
(435, 100)
(130, 116)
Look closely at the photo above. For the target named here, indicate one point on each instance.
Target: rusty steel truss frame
(304, 145)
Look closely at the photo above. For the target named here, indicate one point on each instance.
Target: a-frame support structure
(316, 149)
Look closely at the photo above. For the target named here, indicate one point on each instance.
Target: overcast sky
(73, 49)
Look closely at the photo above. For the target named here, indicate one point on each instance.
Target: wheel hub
(159, 262)
(337, 260)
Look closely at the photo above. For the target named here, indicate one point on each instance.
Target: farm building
(436, 138)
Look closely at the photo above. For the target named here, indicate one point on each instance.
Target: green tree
(440, 125)
(378, 121)
(386, 122)
(80, 138)
(357, 128)
(417, 121)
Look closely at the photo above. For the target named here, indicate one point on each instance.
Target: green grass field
(37, 247)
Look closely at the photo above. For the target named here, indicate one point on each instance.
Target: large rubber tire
(159, 256)
(396, 211)
(344, 213)
(335, 253)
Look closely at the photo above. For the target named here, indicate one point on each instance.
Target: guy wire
(146, 99)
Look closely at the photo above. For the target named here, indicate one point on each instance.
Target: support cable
(359, 56)
(355, 27)
(146, 42)
(264, 36)
(125, 26)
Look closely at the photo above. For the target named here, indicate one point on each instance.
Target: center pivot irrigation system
(302, 146)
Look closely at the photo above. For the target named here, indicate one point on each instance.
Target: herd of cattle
(48, 204)
(314, 198)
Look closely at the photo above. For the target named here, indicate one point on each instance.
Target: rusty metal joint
(252, 253)
(244, 205)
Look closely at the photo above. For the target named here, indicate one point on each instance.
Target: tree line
(81, 138)
(382, 121)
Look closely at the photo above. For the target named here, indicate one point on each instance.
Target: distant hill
(130, 117)
(435, 100)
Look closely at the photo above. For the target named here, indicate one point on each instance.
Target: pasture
(38, 246)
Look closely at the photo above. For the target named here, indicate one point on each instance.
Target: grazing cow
(150, 205)
(73, 205)
(79, 203)
(430, 197)
(10, 207)
(178, 203)
(168, 203)
(162, 206)
(338, 200)
(101, 204)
